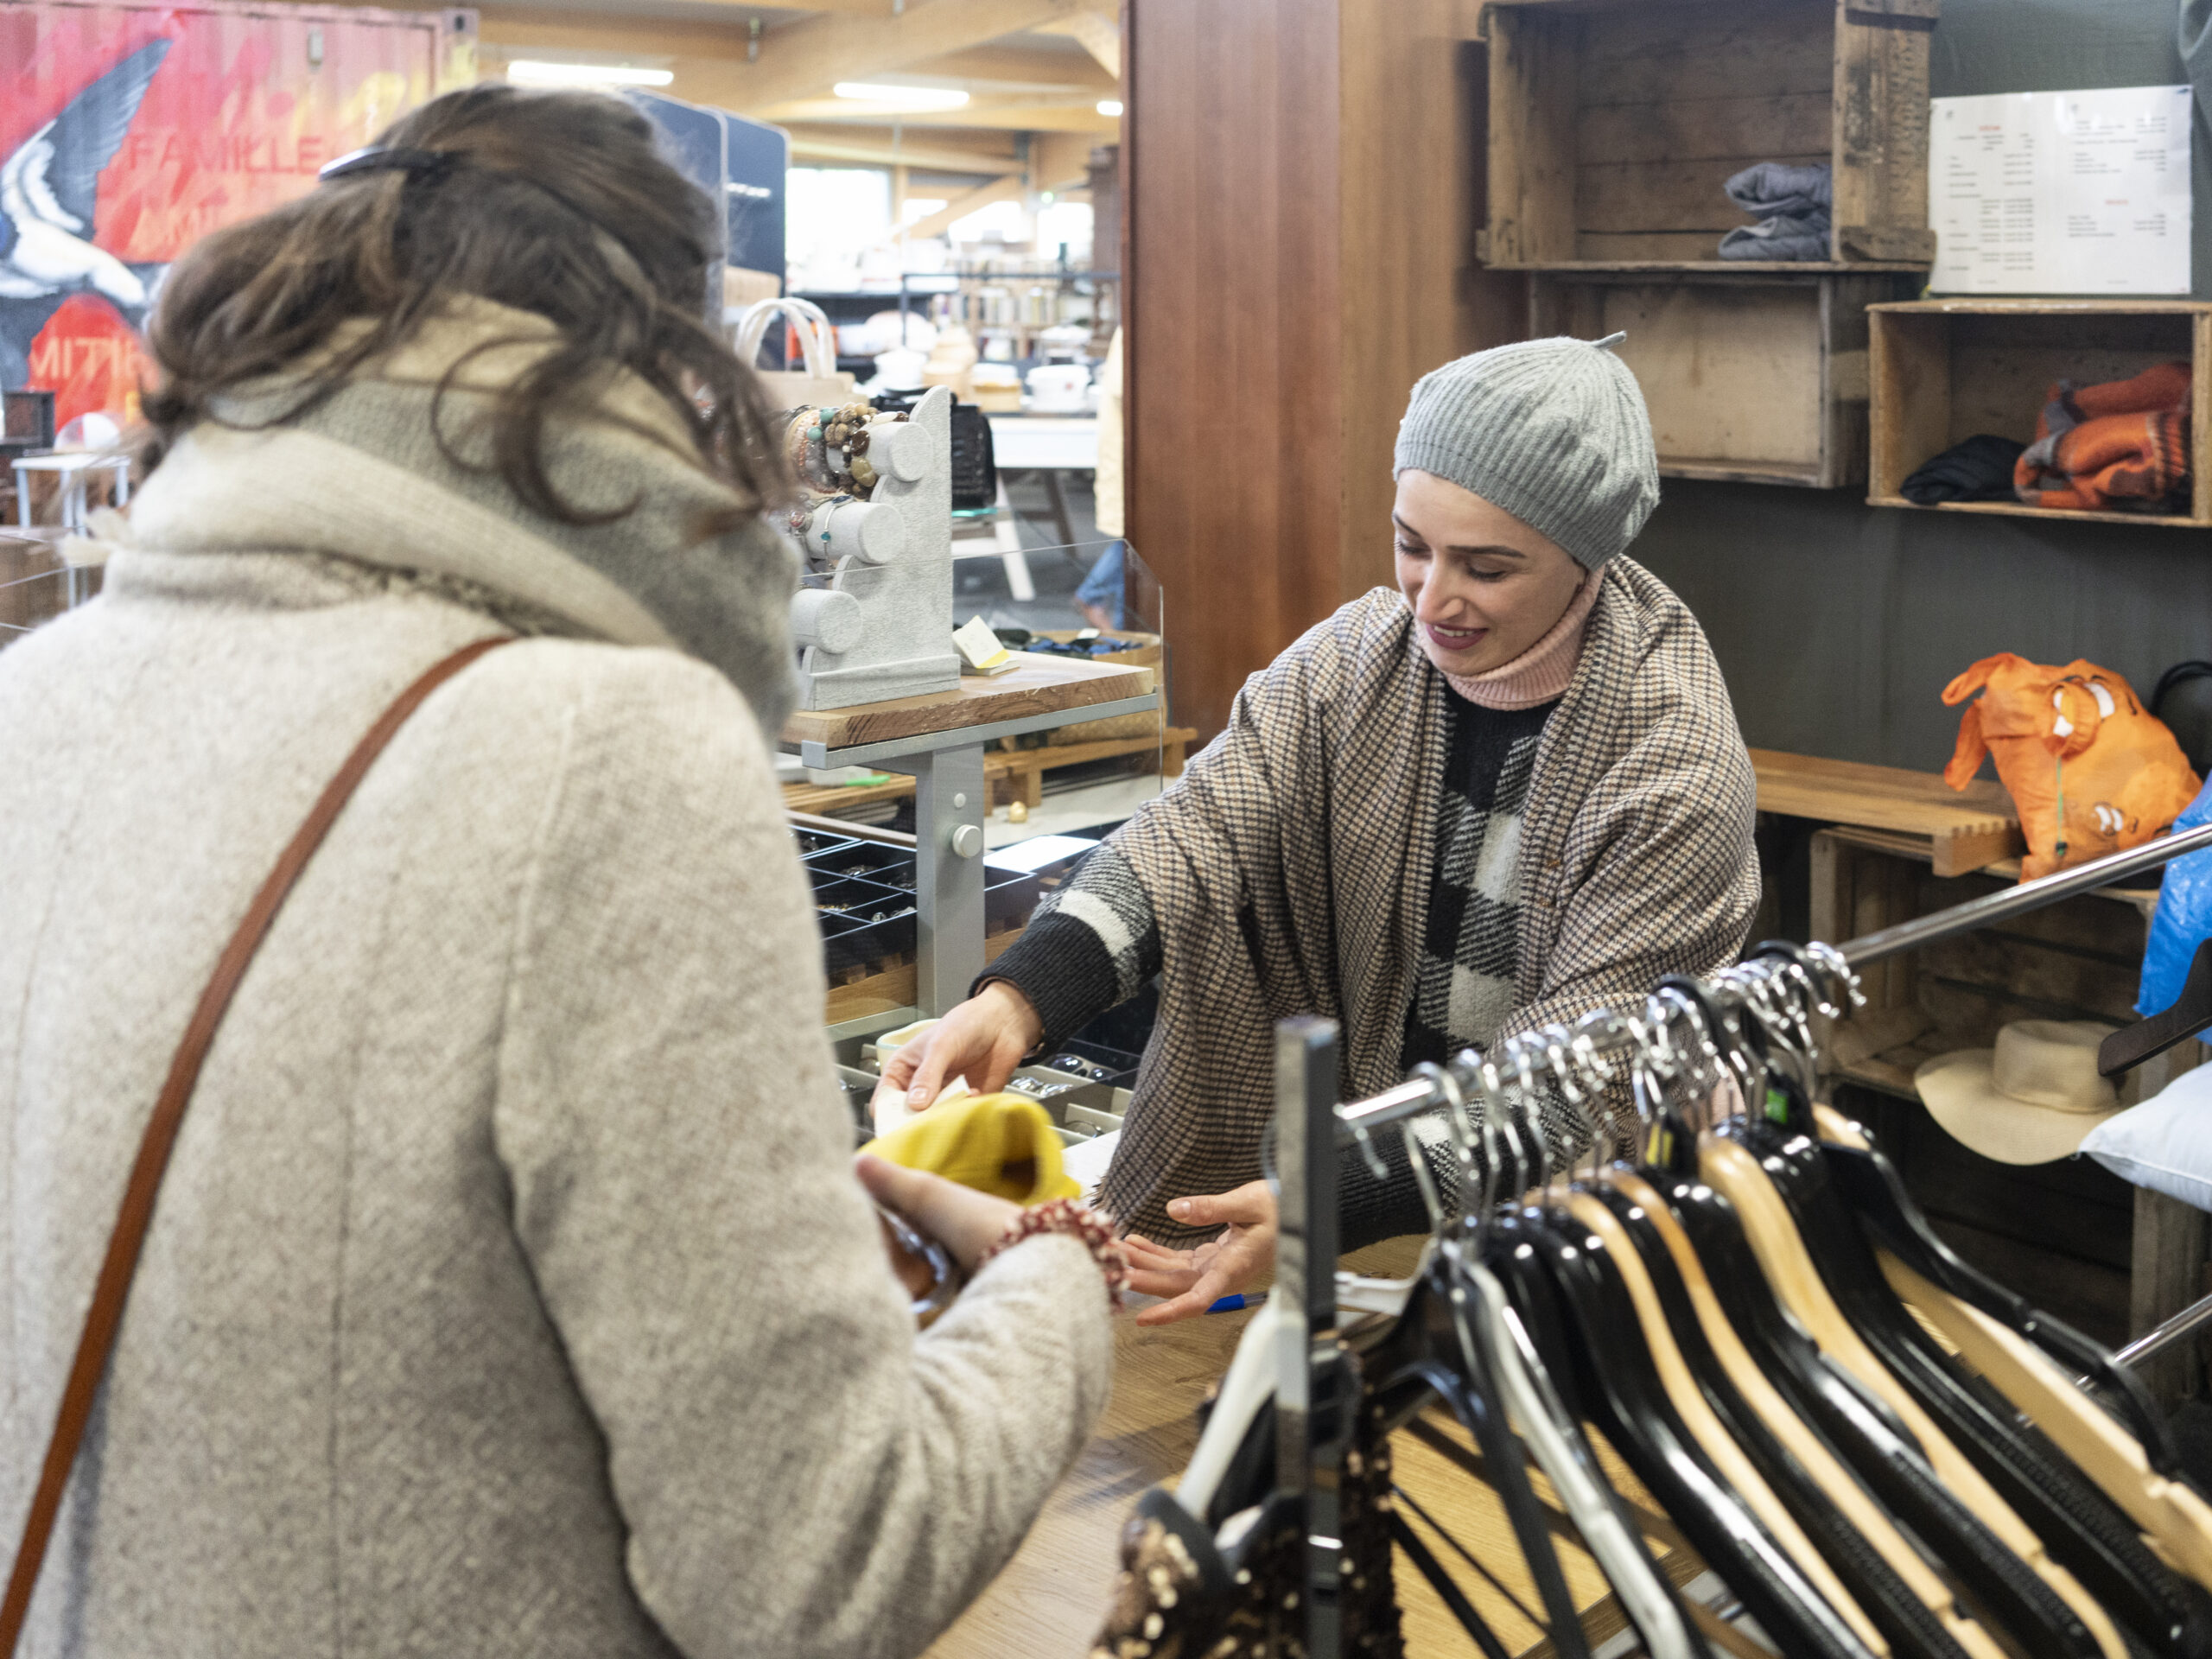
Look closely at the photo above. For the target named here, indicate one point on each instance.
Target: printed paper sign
(2060, 193)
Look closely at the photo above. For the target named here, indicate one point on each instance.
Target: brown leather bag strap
(113, 1285)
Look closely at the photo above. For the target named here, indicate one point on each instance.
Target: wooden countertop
(1049, 1600)
(1036, 685)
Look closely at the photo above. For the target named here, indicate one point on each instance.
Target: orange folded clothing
(2122, 444)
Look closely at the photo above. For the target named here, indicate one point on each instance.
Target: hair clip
(415, 164)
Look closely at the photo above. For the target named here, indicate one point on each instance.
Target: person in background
(1507, 791)
(511, 1292)
(1101, 597)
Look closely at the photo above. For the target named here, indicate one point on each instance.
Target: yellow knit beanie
(1004, 1145)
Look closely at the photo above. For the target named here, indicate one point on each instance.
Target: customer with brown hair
(510, 1292)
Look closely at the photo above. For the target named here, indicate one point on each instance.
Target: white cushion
(2165, 1143)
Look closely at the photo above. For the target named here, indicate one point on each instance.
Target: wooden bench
(1961, 829)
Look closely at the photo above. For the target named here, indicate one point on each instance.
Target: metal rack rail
(1314, 1403)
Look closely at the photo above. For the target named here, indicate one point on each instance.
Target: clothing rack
(1314, 1400)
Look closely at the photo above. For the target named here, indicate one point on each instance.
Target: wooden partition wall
(1305, 181)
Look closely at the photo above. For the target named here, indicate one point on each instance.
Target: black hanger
(1910, 1625)
(2081, 1528)
(1620, 1391)
(1435, 1346)
(2022, 1603)
(1857, 1425)
(1406, 1538)
(2191, 1013)
(1868, 1183)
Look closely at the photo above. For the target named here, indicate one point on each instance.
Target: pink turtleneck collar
(1545, 670)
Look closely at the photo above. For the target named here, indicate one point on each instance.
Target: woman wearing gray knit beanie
(1501, 794)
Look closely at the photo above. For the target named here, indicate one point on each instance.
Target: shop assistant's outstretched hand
(966, 1222)
(982, 1040)
(1195, 1280)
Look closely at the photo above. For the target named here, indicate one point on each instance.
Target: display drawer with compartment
(871, 925)
(1943, 370)
(1614, 123)
(1751, 376)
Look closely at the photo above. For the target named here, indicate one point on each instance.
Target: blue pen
(1233, 1304)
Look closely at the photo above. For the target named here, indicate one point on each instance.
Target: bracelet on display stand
(1078, 1221)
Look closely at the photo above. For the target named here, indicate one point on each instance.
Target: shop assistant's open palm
(1195, 1279)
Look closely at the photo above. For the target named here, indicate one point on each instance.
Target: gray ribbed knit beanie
(1554, 431)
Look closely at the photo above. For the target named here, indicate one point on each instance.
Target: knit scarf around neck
(1544, 671)
(362, 476)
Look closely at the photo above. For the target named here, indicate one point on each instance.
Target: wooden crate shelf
(2079, 959)
(1613, 123)
(1942, 371)
(1756, 376)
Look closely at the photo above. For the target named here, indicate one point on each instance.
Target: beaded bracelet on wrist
(1078, 1221)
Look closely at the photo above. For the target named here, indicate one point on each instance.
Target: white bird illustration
(49, 193)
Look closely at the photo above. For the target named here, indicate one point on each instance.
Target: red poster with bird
(128, 131)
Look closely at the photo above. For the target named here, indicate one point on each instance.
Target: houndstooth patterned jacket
(1289, 868)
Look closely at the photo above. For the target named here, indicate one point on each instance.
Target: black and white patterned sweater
(1094, 942)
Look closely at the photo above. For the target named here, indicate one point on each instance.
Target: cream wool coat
(510, 1293)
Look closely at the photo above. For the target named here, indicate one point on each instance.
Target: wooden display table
(1960, 830)
(1032, 696)
(940, 738)
(1049, 1601)
(1013, 774)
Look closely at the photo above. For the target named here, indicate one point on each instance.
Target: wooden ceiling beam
(744, 8)
(1007, 115)
(1020, 66)
(805, 59)
(1099, 31)
(1012, 188)
(1059, 160)
(811, 146)
(516, 34)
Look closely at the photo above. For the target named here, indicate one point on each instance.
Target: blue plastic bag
(2184, 920)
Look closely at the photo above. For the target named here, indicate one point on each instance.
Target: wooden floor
(1048, 1602)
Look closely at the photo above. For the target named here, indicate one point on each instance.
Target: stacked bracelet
(1078, 1221)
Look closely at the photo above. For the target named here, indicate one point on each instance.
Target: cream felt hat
(2032, 1098)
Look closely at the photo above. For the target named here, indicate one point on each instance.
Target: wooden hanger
(1872, 1520)
(1579, 1315)
(1735, 1174)
(2080, 1526)
(1713, 1435)
(2174, 1518)
(1895, 1226)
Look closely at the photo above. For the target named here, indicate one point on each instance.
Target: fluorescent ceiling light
(904, 98)
(534, 71)
(1110, 108)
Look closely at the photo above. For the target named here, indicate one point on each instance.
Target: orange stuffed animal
(2089, 769)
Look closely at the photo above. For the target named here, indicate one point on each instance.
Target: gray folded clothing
(1795, 203)
(1778, 238)
(1777, 190)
